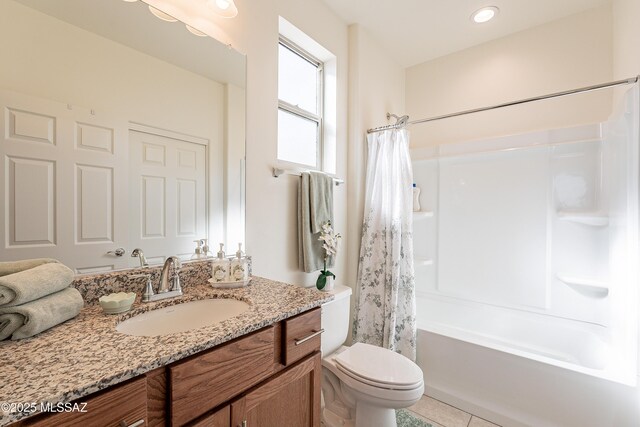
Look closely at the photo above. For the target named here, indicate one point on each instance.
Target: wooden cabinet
(119, 406)
(301, 336)
(219, 418)
(289, 399)
(269, 378)
(207, 380)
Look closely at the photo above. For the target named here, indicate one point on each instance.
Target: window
(300, 106)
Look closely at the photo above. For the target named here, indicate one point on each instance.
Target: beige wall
(568, 53)
(626, 38)
(57, 61)
(61, 62)
(271, 203)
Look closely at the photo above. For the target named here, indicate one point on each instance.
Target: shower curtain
(386, 308)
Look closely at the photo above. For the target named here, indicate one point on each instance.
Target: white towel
(25, 264)
(37, 282)
(29, 319)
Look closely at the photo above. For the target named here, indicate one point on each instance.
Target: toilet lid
(376, 365)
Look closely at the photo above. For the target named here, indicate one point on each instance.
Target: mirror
(119, 130)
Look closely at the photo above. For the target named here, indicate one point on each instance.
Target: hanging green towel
(310, 251)
(29, 319)
(320, 200)
(28, 285)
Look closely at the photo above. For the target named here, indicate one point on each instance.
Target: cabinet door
(220, 418)
(289, 399)
(207, 380)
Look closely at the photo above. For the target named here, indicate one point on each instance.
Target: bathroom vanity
(260, 368)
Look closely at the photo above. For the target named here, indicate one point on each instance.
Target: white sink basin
(182, 317)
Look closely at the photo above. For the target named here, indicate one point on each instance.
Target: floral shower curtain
(386, 307)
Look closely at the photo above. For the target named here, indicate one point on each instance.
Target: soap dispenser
(238, 266)
(206, 253)
(198, 250)
(220, 267)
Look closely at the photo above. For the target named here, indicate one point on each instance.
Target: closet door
(63, 183)
(168, 194)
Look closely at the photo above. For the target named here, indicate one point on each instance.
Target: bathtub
(526, 264)
(573, 345)
(505, 369)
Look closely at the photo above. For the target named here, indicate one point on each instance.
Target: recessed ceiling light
(485, 14)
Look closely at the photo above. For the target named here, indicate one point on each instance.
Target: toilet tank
(335, 320)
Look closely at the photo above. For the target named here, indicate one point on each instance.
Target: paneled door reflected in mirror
(119, 130)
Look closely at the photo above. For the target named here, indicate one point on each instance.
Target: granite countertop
(86, 354)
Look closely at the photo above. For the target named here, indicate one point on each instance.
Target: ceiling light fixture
(161, 15)
(195, 31)
(485, 14)
(224, 8)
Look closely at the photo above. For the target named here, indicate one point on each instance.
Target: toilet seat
(383, 394)
(379, 367)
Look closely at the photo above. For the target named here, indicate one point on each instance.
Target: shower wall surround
(532, 240)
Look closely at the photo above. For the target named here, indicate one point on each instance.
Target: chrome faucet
(164, 276)
(137, 253)
(164, 290)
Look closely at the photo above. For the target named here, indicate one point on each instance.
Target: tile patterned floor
(439, 414)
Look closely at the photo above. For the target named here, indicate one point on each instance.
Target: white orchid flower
(329, 239)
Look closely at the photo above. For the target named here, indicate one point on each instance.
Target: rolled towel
(28, 285)
(7, 268)
(29, 319)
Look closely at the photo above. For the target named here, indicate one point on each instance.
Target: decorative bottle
(239, 266)
(198, 251)
(206, 253)
(416, 198)
(220, 267)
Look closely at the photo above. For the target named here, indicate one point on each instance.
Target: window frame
(302, 113)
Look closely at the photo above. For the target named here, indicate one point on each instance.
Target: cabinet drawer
(121, 403)
(301, 335)
(205, 381)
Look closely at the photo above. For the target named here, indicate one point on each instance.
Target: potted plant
(329, 241)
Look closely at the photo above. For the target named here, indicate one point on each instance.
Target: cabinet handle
(136, 424)
(305, 339)
(244, 424)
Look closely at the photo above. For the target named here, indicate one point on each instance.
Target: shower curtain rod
(628, 81)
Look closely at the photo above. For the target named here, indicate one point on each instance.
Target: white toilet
(362, 385)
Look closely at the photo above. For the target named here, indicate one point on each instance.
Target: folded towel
(28, 285)
(29, 319)
(25, 264)
(320, 200)
(310, 251)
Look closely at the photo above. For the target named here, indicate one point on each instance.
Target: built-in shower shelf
(594, 220)
(419, 261)
(422, 214)
(587, 287)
